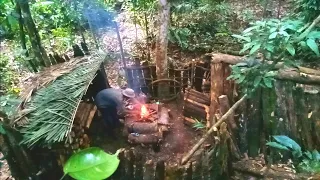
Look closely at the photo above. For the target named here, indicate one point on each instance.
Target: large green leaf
(277, 145)
(288, 142)
(316, 155)
(242, 37)
(255, 48)
(314, 35)
(91, 164)
(290, 49)
(268, 82)
(273, 35)
(313, 46)
(257, 81)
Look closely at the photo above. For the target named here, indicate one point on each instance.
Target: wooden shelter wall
(134, 166)
(285, 109)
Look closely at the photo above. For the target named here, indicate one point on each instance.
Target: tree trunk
(161, 48)
(39, 51)
(23, 37)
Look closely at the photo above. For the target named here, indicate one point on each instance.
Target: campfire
(146, 124)
(144, 112)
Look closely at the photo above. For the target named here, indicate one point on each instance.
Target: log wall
(134, 166)
(288, 109)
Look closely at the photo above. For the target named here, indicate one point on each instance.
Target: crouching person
(111, 103)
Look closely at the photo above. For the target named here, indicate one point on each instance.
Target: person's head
(128, 93)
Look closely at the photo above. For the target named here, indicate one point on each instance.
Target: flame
(144, 111)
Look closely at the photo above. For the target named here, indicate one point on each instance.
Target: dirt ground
(176, 142)
(5, 173)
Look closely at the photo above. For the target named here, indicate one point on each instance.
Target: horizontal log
(297, 77)
(205, 107)
(188, 121)
(190, 97)
(301, 75)
(198, 94)
(145, 138)
(142, 127)
(197, 106)
(189, 109)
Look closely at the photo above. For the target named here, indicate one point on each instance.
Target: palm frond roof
(52, 108)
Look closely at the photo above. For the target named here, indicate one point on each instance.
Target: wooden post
(232, 126)
(216, 89)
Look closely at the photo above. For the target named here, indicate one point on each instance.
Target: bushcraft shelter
(57, 105)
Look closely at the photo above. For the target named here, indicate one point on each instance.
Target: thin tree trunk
(120, 46)
(161, 48)
(23, 37)
(147, 34)
(39, 51)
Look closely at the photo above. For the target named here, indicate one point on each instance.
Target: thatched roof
(52, 99)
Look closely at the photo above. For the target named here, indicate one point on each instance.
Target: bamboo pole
(187, 157)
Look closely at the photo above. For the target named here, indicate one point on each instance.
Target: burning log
(145, 138)
(142, 127)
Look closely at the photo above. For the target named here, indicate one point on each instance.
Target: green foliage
(277, 41)
(8, 77)
(252, 74)
(308, 9)
(272, 37)
(195, 23)
(8, 18)
(91, 163)
(306, 161)
(9, 105)
(198, 125)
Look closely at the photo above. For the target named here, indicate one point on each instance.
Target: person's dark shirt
(110, 97)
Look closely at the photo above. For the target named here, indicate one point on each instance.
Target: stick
(187, 157)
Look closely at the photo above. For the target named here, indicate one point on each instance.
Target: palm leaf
(54, 106)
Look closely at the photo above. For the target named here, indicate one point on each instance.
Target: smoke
(99, 17)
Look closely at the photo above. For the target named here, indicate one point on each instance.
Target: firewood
(142, 127)
(90, 117)
(197, 94)
(190, 110)
(145, 138)
(85, 113)
(194, 107)
(190, 114)
(200, 100)
(188, 121)
(86, 140)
